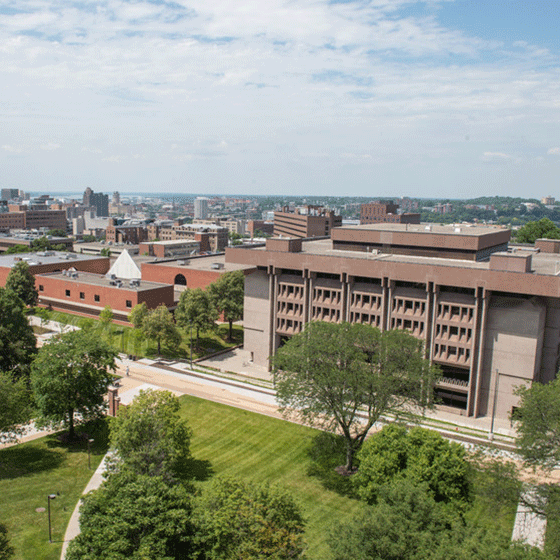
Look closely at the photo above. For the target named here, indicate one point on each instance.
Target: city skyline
(441, 99)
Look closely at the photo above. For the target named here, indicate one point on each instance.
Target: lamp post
(89, 442)
(191, 325)
(49, 498)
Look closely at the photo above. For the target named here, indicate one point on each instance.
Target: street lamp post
(89, 442)
(49, 498)
(191, 344)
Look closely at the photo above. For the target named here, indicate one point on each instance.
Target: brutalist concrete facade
(490, 318)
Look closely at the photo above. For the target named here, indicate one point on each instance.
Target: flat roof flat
(203, 263)
(448, 229)
(45, 257)
(101, 280)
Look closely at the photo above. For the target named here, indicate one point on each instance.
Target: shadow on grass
(97, 430)
(197, 469)
(327, 452)
(22, 460)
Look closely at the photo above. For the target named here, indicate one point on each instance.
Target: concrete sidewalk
(73, 528)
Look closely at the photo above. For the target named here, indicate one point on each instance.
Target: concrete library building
(489, 314)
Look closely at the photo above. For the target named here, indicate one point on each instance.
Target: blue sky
(444, 98)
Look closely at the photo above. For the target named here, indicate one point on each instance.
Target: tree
(17, 341)
(16, 406)
(6, 550)
(542, 229)
(138, 314)
(22, 283)
(70, 376)
(150, 437)
(57, 233)
(234, 519)
(106, 315)
(158, 325)
(226, 294)
(538, 423)
(134, 517)
(105, 252)
(332, 375)
(417, 455)
(196, 309)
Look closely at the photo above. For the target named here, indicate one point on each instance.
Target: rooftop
(203, 263)
(102, 280)
(448, 229)
(45, 257)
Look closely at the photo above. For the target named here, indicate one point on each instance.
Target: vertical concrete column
(344, 297)
(306, 296)
(432, 293)
(349, 290)
(473, 377)
(312, 276)
(272, 295)
(384, 302)
(481, 335)
(390, 290)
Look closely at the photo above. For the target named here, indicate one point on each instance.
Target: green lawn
(29, 472)
(128, 341)
(225, 440)
(230, 441)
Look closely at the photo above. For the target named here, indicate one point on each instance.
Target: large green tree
(150, 437)
(541, 229)
(538, 423)
(16, 406)
(70, 376)
(17, 341)
(346, 376)
(226, 294)
(247, 521)
(417, 455)
(158, 325)
(22, 282)
(138, 314)
(134, 517)
(195, 309)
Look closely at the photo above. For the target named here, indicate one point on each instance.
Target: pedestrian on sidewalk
(127, 370)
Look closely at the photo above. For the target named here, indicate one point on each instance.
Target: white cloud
(113, 159)
(553, 151)
(50, 146)
(12, 149)
(495, 156)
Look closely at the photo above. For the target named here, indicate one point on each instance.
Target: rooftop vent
(217, 266)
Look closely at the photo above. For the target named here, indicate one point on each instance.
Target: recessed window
(96, 297)
(128, 303)
(82, 295)
(67, 293)
(41, 288)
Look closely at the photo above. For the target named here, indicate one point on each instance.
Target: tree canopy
(138, 314)
(106, 315)
(196, 309)
(22, 282)
(70, 376)
(227, 294)
(159, 326)
(330, 374)
(17, 341)
(16, 406)
(541, 229)
(234, 519)
(6, 550)
(538, 423)
(150, 437)
(417, 455)
(134, 517)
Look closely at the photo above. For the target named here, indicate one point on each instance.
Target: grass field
(29, 472)
(225, 440)
(230, 441)
(128, 341)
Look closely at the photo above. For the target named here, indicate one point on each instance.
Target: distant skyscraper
(99, 201)
(9, 194)
(201, 208)
(116, 198)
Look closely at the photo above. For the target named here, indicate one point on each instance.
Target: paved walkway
(529, 527)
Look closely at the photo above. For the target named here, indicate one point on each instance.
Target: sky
(379, 98)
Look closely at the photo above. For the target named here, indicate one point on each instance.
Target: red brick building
(306, 221)
(385, 212)
(87, 294)
(53, 261)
